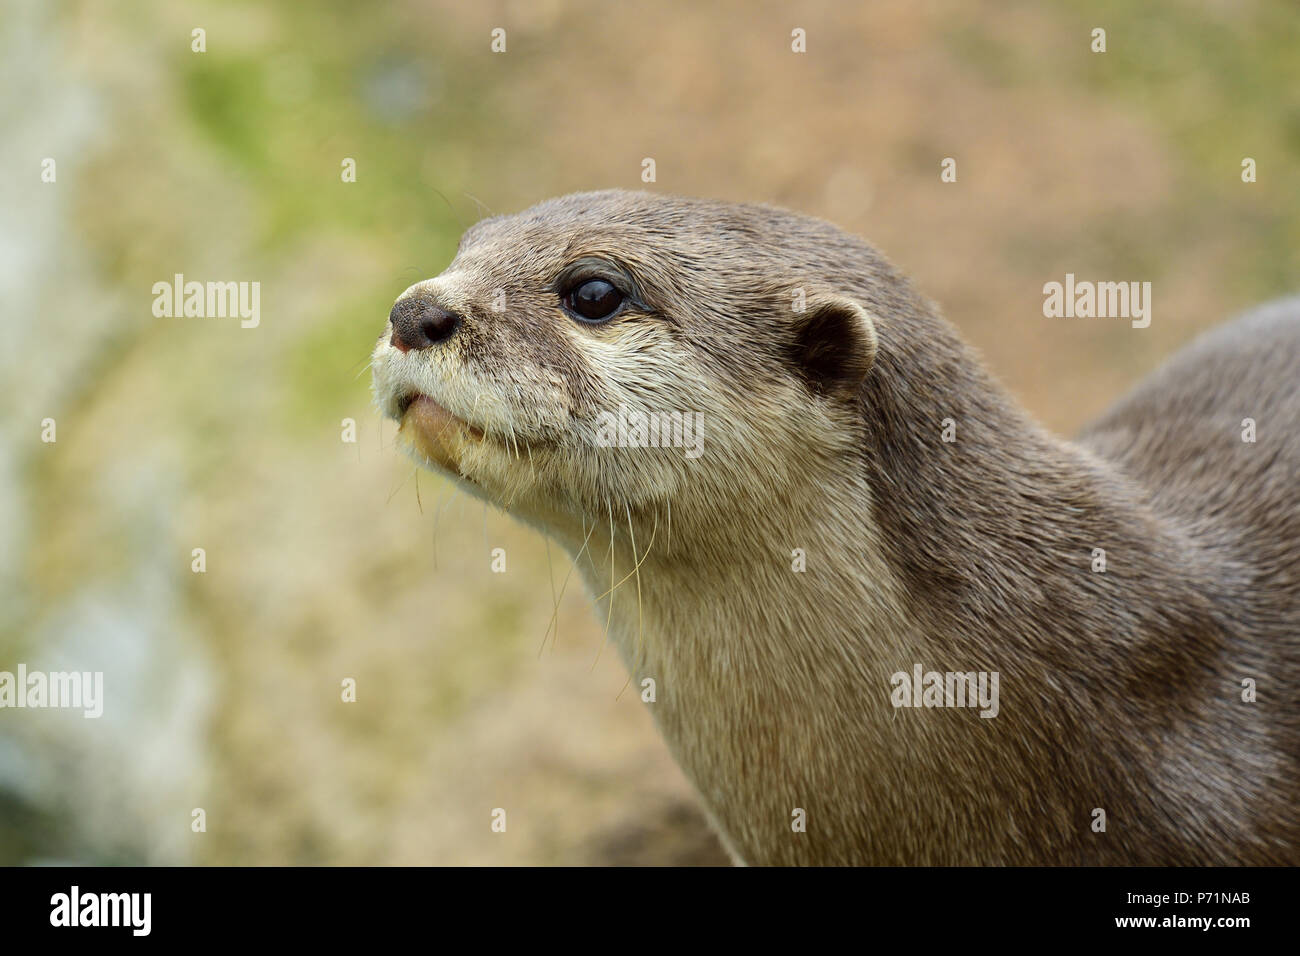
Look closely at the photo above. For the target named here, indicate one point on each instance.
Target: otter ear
(834, 344)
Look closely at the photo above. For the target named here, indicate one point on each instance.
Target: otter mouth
(433, 431)
(430, 408)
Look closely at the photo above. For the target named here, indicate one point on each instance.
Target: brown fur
(1119, 690)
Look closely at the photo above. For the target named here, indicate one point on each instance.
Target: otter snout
(418, 322)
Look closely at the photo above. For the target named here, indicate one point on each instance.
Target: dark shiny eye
(594, 300)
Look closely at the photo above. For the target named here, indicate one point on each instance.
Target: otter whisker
(483, 209)
(609, 615)
(668, 545)
(637, 566)
(437, 517)
(555, 602)
(510, 435)
(415, 470)
(563, 586)
(455, 215)
(636, 569)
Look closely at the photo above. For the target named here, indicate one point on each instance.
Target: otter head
(613, 350)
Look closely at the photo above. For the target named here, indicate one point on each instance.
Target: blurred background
(328, 560)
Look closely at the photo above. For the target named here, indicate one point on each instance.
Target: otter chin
(870, 501)
(434, 433)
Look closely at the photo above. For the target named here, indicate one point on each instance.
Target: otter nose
(418, 323)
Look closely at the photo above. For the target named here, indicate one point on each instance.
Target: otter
(869, 503)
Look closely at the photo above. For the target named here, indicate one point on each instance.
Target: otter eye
(594, 300)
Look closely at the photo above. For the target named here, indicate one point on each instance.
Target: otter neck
(772, 684)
